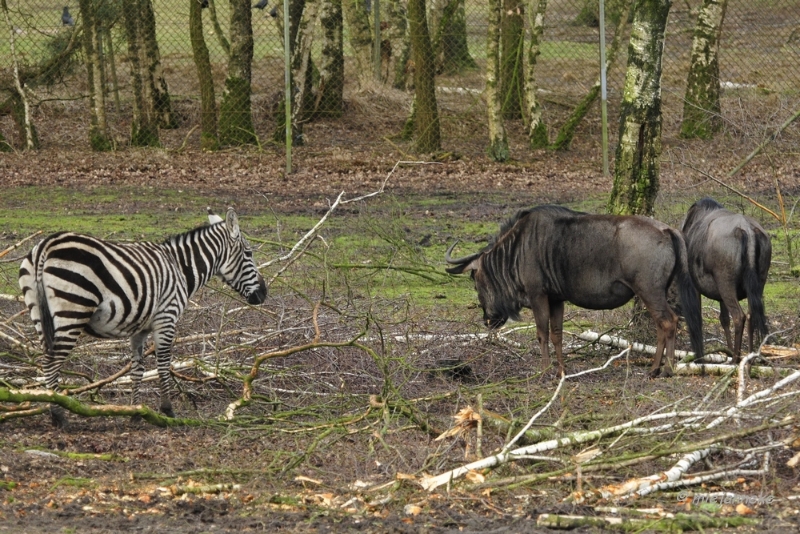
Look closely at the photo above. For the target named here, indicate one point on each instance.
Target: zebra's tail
(48, 327)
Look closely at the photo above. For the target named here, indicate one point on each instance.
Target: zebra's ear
(213, 218)
(232, 222)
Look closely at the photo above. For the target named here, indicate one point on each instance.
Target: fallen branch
(79, 408)
(668, 523)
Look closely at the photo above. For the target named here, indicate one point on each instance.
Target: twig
(19, 243)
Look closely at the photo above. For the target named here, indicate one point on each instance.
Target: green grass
(393, 248)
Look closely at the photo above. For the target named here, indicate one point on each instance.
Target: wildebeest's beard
(498, 298)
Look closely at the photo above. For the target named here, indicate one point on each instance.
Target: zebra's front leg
(163, 341)
(137, 369)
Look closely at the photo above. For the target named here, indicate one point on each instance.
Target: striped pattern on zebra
(75, 283)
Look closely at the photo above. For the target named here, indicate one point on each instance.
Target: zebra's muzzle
(259, 295)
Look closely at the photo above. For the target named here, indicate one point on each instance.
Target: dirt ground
(350, 464)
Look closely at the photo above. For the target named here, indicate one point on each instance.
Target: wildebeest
(549, 255)
(729, 257)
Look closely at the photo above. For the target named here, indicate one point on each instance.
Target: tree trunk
(360, 41)
(208, 105)
(498, 144)
(427, 115)
(512, 46)
(159, 89)
(701, 107)
(99, 139)
(400, 42)
(235, 113)
(303, 104)
(567, 131)
(144, 124)
(637, 159)
(330, 93)
(537, 130)
(453, 44)
(20, 107)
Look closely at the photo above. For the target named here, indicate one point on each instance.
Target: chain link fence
(46, 44)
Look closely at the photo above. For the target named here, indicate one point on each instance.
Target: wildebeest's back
(593, 261)
(715, 245)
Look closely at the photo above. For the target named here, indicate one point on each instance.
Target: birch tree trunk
(360, 41)
(159, 90)
(567, 131)
(235, 113)
(637, 159)
(426, 119)
(537, 130)
(302, 107)
(99, 139)
(208, 105)
(512, 47)
(144, 124)
(701, 107)
(330, 93)
(20, 105)
(498, 143)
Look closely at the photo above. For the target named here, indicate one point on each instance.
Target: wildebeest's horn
(459, 261)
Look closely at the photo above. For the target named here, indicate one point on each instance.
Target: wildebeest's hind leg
(729, 301)
(666, 331)
(557, 331)
(725, 322)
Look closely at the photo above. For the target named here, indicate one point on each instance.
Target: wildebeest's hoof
(57, 417)
(654, 372)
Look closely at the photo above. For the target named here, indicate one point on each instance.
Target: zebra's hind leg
(52, 366)
(137, 369)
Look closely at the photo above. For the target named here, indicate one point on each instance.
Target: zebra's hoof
(136, 419)
(167, 410)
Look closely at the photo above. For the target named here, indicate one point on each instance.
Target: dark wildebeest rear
(549, 255)
(729, 257)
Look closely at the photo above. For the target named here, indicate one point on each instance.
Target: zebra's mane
(175, 238)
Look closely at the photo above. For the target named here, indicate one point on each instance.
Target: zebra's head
(238, 269)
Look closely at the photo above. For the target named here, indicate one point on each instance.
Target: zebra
(74, 283)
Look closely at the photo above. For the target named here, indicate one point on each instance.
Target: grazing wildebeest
(729, 257)
(549, 255)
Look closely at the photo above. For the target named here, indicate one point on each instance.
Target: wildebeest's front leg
(557, 330)
(540, 306)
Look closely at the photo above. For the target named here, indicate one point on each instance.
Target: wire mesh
(759, 55)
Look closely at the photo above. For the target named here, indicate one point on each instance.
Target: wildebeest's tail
(690, 298)
(752, 283)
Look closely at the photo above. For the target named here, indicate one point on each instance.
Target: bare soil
(310, 456)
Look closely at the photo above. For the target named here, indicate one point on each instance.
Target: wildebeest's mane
(698, 209)
(512, 221)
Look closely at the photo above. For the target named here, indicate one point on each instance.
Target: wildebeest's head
(493, 282)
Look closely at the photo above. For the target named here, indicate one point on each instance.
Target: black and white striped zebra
(76, 283)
